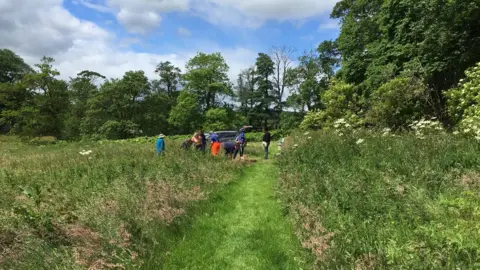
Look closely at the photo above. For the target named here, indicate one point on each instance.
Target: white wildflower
(456, 133)
(309, 138)
(85, 153)
(306, 133)
(360, 141)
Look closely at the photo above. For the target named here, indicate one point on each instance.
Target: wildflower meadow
(381, 200)
(100, 205)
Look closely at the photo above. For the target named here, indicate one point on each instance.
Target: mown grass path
(246, 231)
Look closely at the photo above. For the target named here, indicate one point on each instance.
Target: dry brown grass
(312, 233)
(166, 201)
(470, 180)
(366, 262)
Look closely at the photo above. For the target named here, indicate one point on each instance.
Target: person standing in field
(266, 141)
(240, 144)
(214, 144)
(160, 144)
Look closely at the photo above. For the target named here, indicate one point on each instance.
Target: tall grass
(385, 202)
(112, 208)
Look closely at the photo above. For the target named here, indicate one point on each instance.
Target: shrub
(464, 100)
(397, 103)
(114, 130)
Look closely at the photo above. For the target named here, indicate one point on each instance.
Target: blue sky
(118, 35)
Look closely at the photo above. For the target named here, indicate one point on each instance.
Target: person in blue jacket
(240, 143)
(160, 144)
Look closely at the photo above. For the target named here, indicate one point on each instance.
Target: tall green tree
(170, 79)
(12, 67)
(186, 116)
(117, 109)
(12, 70)
(81, 88)
(434, 39)
(265, 70)
(50, 99)
(248, 96)
(206, 76)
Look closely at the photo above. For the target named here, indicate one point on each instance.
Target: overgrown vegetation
(367, 200)
(99, 205)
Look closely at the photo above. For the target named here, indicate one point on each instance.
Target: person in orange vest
(215, 144)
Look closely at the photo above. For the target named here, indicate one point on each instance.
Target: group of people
(231, 149)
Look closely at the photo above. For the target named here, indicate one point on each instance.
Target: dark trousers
(239, 149)
(266, 151)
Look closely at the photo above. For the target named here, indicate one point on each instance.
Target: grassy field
(367, 201)
(115, 207)
(245, 229)
(358, 201)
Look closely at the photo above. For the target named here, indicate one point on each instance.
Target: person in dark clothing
(266, 141)
(204, 141)
(229, 148)
(186, 144)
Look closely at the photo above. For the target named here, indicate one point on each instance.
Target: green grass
(62, 210)
(389, 202)
(245, 229)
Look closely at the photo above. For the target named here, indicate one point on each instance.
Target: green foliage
(218, 119)
(397, 103)
(313, 120)
(290, 120)
(114, 130)
(265, 68)
(387, 202)
(206, 76)
(170, 78)
(12, 67)
(463, 101)
(186, 115)
(435, 39)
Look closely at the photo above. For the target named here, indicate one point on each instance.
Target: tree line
(35, 102)
(393, 62)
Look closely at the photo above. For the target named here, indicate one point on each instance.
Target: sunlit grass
(370, 201)
(99, 204)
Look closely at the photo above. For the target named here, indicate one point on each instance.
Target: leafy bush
(397, 103)
(341, 102)
(114, 130)
(464, 100)
(364, 201)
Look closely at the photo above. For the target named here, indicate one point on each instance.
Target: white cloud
(253, 13)
(184, 32)
(244, 13)
(138, 21)
(138, 16)
(97, 7)
(34, 29)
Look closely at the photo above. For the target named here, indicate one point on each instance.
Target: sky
(115, 36)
